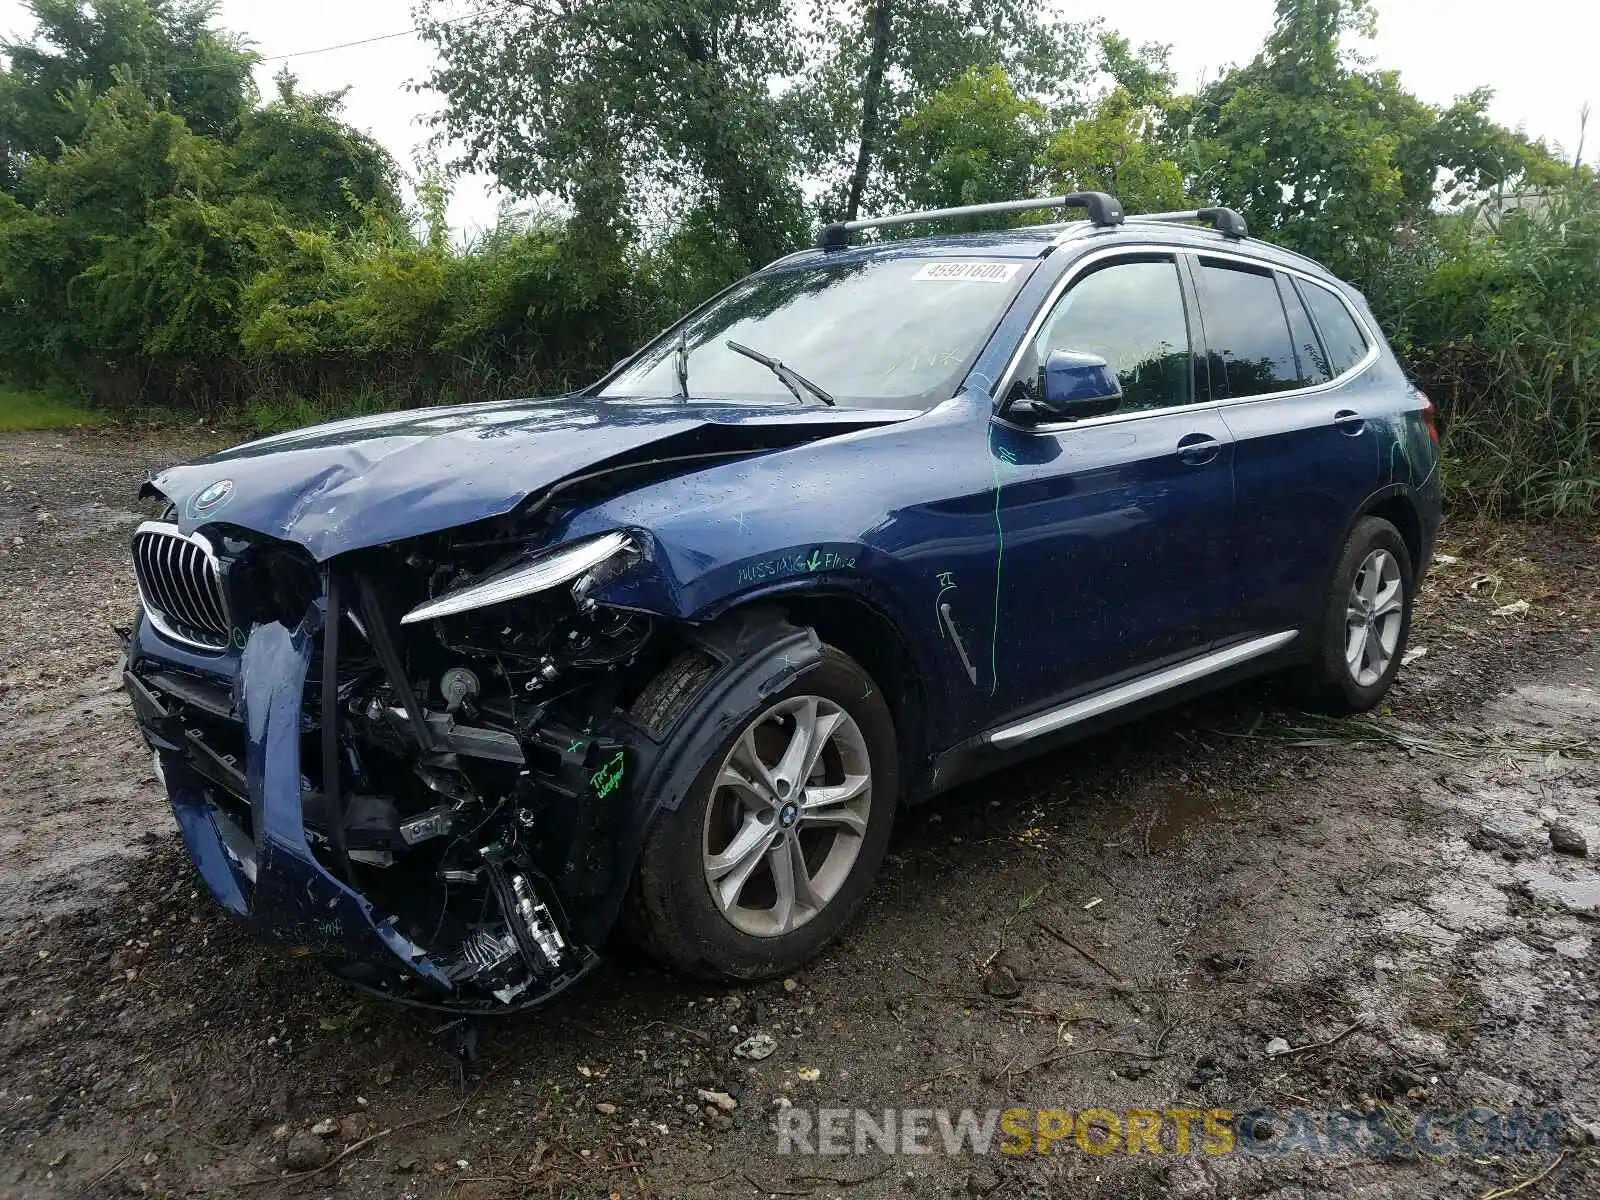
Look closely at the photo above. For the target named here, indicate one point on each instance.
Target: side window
(1131, 314)
(1313, 360)
(1340, 333)
(1247, 332)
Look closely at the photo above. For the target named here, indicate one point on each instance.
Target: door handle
(1197, 449)
(1350, 422)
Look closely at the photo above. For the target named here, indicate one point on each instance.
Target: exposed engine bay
(392, 696)
(470, 776)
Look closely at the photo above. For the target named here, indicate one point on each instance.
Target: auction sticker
(976, 272)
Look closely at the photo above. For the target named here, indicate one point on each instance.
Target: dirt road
(1125, 926)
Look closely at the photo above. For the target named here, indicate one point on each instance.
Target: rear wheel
(1365, 622)
(781, 834)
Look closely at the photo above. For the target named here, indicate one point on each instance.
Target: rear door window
(1340, 334)
(1247, 332)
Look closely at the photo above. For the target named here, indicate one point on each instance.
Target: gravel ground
(1126, 925)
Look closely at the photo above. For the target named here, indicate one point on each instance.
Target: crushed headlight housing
(544, 571)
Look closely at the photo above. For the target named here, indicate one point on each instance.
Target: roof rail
(1103, 210)
(1227, 222)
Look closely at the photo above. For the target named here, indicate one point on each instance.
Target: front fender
(684, 587)
(755, 653)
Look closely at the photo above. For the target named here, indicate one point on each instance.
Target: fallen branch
(1065, 1054)
(332, 1162)
(777, 1191)
(104, 1175)
(1066, 941)
(351, 1149)
(219, 1149)
(1526, 1183)
(1343, 1033)
(842, 1182)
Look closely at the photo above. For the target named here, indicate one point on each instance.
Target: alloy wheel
(1373, 616)
(787, 816)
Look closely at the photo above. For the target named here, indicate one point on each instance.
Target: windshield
(879, 333)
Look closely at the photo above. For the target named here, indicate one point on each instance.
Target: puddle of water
(1468, 905)
(1579, 895)
(1181, 810)
(1548, 704)
(1575, 947)
(1408, 921)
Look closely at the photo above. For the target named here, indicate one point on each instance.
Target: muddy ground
(1382, 895)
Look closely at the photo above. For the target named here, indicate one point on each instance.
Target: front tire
(1365, 622)
(780, 836)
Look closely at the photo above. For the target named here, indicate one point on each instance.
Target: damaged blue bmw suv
(441, 696)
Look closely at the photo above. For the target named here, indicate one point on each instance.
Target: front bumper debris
(244, 810)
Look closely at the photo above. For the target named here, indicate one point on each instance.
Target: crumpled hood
(372, 480)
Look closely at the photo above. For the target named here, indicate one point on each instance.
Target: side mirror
(1073, 386)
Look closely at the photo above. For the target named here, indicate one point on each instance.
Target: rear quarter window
(1307, 346)
(1345, 343)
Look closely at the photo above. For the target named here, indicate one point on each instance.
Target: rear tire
(803, 876)
(1365, 621)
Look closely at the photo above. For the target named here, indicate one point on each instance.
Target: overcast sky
(1539, 56)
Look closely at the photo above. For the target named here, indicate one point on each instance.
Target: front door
(1115, 542)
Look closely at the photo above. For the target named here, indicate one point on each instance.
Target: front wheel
(1365, 622)
(779, 838)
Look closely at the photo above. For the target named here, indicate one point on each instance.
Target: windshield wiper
(681, 362)
(790, 378)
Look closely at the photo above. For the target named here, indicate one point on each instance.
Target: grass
(42, 408)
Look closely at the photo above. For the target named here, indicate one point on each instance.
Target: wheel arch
(863, 628)
(1396, 505)
(851, 623)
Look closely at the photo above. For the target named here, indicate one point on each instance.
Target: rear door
(1304, 430)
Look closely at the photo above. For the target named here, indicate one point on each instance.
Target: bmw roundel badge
(214, 496)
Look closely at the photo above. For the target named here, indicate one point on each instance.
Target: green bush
(168, 243)
(1501, 327)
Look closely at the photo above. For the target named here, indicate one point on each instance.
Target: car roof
(1037, 241)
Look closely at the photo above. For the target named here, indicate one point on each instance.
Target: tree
(1124, 144)
(127, 244)
(1105, 152)
(1329, 157)
(598, 100)
(130, 257)
(166, 49)
(973, 142)
(297, 153)
(875, 62)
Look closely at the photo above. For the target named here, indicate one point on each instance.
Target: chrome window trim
(1008, 377)
(155, 611)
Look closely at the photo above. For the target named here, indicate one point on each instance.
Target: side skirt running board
(1135, 690)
